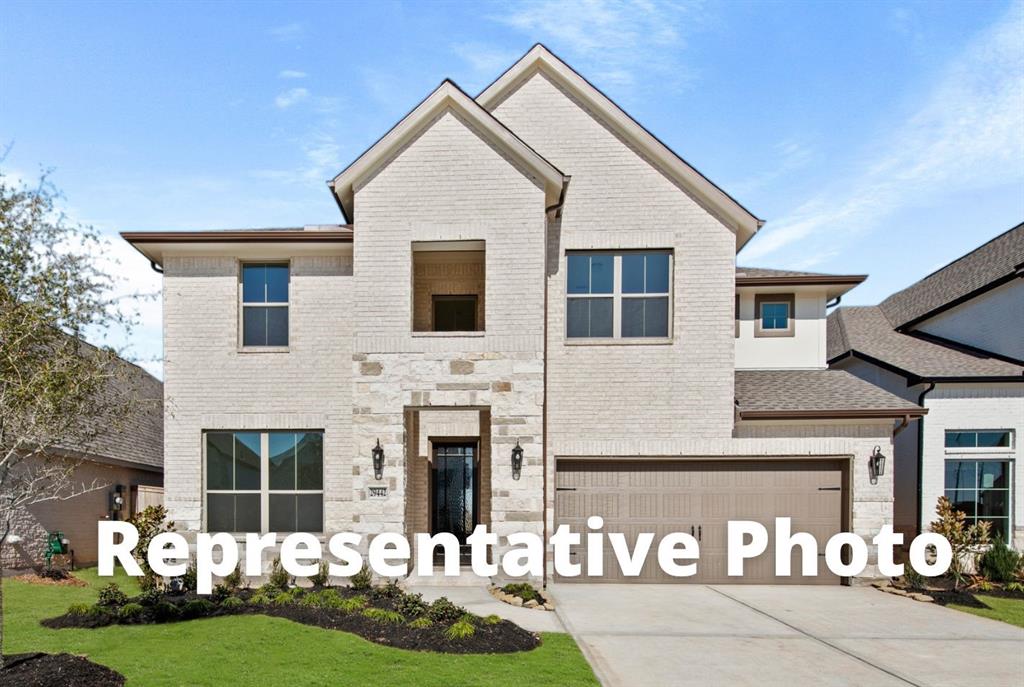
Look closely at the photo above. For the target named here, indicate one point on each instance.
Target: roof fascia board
(827, 280)
(445, 96)
(962, 347)
(839, 414)
(744, 223)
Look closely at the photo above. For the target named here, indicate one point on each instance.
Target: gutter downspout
(544, 416)
(155, 267)
(834, 302)
(920, 456)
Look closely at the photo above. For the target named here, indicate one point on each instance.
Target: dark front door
(453, 485)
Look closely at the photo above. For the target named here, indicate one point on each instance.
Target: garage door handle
(565, 488)
(830, 488)
(700, 532)
(691, 530)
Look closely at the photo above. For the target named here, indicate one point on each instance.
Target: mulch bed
(57, 670)
(70, 581)
(945, 597)
(500, 638)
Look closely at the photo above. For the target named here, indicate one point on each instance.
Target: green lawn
(999, 608)
(258, 650)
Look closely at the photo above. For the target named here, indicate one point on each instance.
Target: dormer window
(264, 305)
(774, 314)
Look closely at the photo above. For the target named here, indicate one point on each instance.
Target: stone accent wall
(211, 384)
(448, 184)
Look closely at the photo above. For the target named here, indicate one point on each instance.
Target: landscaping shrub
(112, 596)
(411, 605)
(444, 611)
(421, 623)
(188, 580)
(965, 540)
(79, 609)
(98, 611)
(279, 577)
(232, 602)
(912, 578)
(1015, 587)
(321, 576)
(389, 590)
(165, 612)
(999, 563)
(150, 597)
(197, 608)
(382, 615)
(56, 574)
(234, 579)
(282, 599)
(261, 598)
(130, 612)
(492, 620)
(524, 591)
(362, 580)
(461, 629)
(219, 593)
(351, 604)
(325, 598)
(149, 522)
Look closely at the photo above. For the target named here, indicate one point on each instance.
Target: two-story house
(531, 316)
(952, 342)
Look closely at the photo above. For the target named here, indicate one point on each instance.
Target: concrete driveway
(673, 635)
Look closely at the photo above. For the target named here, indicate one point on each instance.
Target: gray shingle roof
(866, 330)
(766, 272)
(998, 259)
(814, 393)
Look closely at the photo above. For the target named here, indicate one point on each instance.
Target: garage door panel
(703, 496)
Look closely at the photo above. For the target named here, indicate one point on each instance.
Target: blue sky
(885, 138)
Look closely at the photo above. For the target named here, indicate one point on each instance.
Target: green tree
(966, 540)
(58, 395)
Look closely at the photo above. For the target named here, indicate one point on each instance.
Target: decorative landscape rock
(522, 594)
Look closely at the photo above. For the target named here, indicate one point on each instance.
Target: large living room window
(618, 295)
(264, 481)
(981, 489)
(264, 305)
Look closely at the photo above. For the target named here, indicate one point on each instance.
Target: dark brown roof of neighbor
(762, 276)
(814, 394)
(987, 266)
(865, 332)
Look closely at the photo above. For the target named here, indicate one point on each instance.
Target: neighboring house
(126, 462)
(532, 271)
(953, 343)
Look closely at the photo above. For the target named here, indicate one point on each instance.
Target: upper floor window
(264, 481)
(979, 439)
(264, 304)
(774, 313)
(448, 286)
(618, 295)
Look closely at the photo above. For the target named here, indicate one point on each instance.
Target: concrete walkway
(675, 635)
(478, 600)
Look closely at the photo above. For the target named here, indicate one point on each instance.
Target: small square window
(774, 315)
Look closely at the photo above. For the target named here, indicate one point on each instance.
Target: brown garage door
(701, 497)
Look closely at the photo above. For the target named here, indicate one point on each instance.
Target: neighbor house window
(981, 490)
(618, 295)
(264, 481)
(454, 313)
(264, 304)
(982, 439)
(774, 314)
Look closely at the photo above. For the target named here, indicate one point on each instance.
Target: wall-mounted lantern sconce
(876, 465)
(117, 500)
(517, 461)
(378, 461)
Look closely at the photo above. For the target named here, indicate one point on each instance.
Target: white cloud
(967, 134)
(616, 39)
(288, 33)
(290, 97)
(291, 74)
(322, 160)
(487, 61)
